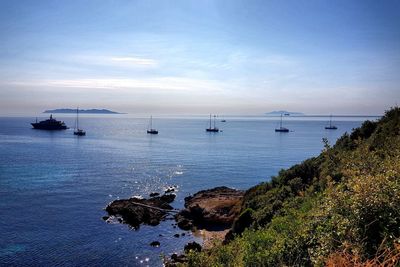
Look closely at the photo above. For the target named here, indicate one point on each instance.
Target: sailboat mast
(281, 120)
(77, 118)
(210, 121)
(330, 121)
(214, 120)
(151, 122)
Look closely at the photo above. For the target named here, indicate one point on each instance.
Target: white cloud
(135, 61)
(124, 61)
(182, 84)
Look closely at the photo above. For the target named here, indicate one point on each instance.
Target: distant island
(86, 111)
(284, 112)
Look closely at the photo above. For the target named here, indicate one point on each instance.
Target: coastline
(199, 175)
(322, 211)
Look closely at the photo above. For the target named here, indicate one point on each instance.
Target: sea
(54, 186)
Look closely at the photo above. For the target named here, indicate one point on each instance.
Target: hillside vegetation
(341, 208)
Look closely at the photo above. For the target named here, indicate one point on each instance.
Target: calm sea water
(54, 185)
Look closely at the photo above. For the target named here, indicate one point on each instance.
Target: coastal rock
(192, 246)
(175, 260)
(184, 220)
(169, 189)
(154, 194)
(136, 211)
(208, 209)
(168, 198)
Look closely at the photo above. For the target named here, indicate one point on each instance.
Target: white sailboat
(150, 130)
(212, 129)
(78, 131)
(330, 127)
(281, 128)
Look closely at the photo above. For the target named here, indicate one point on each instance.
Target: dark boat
(77, 131)
(281, 129)
(80, 132)
(212, 129)
(49, 124)
(151, 130)
(330, 127)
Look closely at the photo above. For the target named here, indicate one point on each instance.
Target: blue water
(54, 185)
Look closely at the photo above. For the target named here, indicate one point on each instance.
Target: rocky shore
(135, 211)
(212, 209)
(209, 213)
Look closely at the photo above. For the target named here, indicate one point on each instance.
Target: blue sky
(197, 57)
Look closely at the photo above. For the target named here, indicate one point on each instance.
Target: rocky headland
(209, 212)
(212, 209)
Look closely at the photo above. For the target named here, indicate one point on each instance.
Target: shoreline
(210, 238)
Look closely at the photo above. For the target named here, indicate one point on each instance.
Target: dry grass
(385, 258)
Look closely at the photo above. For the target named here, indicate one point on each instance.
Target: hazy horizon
(204, 115)
(200, 57)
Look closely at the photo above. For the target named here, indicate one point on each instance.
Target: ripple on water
(12, 249)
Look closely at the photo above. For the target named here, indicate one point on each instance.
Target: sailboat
(78, 131)
(281, 129)
(212, 129)
(151, 130)
(330, 127)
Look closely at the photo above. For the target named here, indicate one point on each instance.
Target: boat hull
(282, 130)
(79, 133)
(152, 131)
(331, 128)
(48, 127)
(212, 130)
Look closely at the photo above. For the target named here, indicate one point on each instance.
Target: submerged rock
(135, 211)
(210, 209)
(155, 244)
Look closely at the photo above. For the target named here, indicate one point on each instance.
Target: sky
(200, 57)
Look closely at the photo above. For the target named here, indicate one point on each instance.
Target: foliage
(340, 208)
